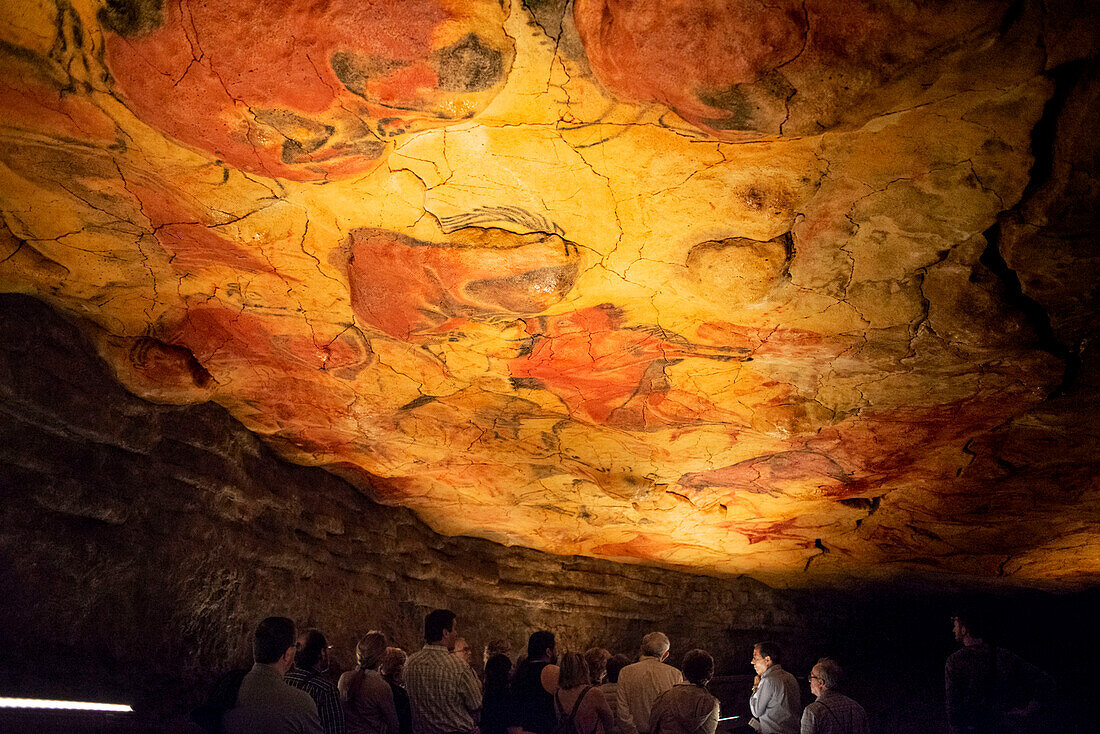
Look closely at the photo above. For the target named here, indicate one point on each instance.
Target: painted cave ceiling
(800, 289)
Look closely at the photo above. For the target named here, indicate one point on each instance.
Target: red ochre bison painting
(736, 286)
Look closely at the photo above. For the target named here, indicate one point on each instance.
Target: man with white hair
(642, 682)
(832, 712)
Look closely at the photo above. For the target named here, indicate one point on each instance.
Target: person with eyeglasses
(775, 697)
(832, 712)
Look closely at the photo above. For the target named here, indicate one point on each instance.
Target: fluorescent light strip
(39, 703)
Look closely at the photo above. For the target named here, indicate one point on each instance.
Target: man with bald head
(641, 683)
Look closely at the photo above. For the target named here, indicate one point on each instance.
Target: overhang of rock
(801, 290)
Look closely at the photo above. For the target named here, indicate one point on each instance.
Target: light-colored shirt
(267, 705)
(776, 702)
(639, 686)
(834, 713)
(610, 693)
(442, 694)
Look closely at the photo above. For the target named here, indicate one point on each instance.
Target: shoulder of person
(322, 683)
(595, 694)
(549, 678)
(303, 700)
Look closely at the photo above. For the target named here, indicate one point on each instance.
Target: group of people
(436, 690)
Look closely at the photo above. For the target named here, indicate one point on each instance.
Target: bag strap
(576, 705)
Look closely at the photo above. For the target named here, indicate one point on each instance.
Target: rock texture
(142, 543)
(802, 290)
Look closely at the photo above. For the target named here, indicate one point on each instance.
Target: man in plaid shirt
(308, 675)
(443, 695)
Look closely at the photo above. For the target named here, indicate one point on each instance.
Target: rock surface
(802, 290)
(142, 543)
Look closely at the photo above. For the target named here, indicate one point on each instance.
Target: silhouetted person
(496, 712)
(642, 682)
(775, 699)
(989, 688)
(308, 674)
(687, 707)
(610, 686)
(832, 712)
(266, 704)
(368, 699)
(532, 703)
(443, 695)
(495, 647)
(393, 671)
(597, 658)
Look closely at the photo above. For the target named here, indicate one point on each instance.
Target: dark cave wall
(146, 541)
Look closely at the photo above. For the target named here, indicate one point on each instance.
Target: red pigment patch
(220, 335)
(189, 243)
(32, 105)
(339, 354)
(283, 89)
(759, 475)
(756, 532)
(610, 375)
(640, 546)
(404, 287)
(781, 343)
(676, 53)
(699, 57)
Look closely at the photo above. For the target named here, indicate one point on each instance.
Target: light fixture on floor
(39, 703)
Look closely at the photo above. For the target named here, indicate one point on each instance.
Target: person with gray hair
(832, 712)
(641, 683)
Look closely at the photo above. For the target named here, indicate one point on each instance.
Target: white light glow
(39, 703)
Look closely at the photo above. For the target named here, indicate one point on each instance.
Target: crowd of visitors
(436, 690)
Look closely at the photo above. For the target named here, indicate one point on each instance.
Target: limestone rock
(713, 284)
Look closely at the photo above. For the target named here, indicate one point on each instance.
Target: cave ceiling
(716, 284)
